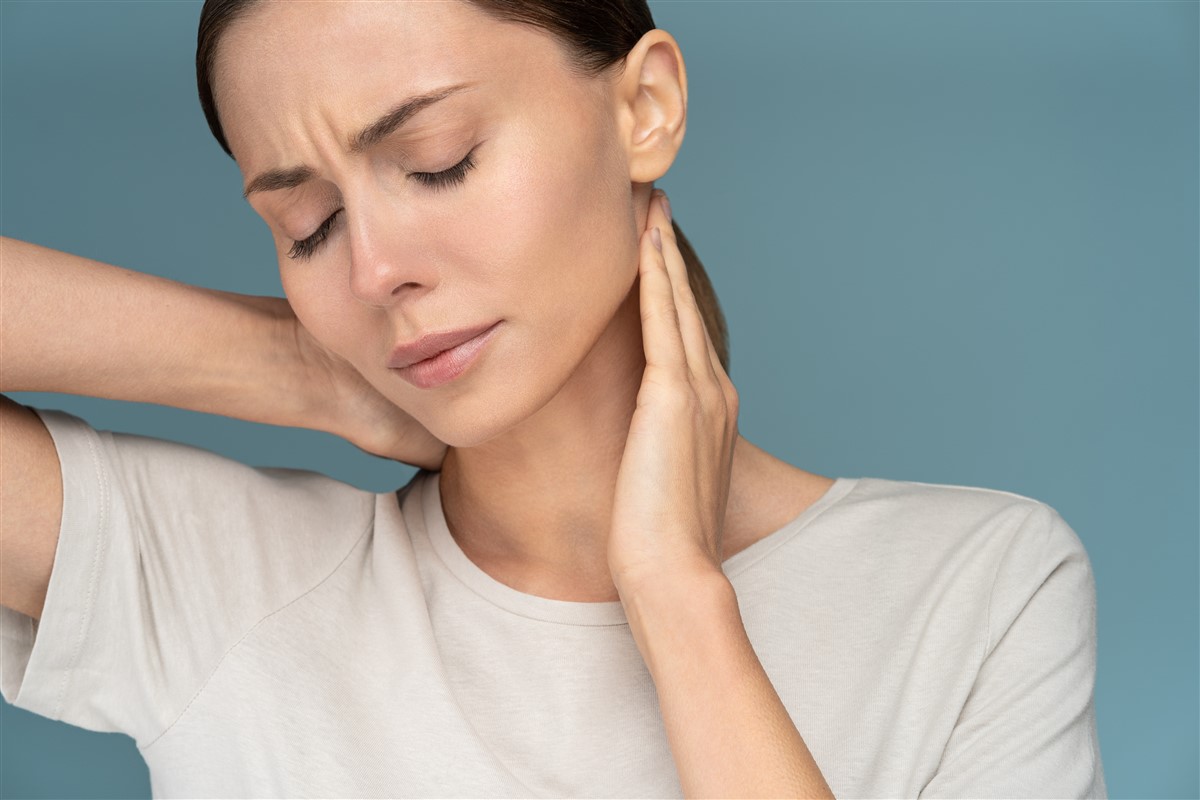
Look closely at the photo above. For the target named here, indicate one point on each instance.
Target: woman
(595, 586)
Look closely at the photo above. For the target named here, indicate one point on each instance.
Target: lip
(438, 358)
(431, 344)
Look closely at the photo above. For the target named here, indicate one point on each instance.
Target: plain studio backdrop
(954, 242)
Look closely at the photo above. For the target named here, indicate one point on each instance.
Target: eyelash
(435, 180)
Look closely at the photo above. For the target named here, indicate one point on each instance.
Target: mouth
(449, 355)
(432, 344)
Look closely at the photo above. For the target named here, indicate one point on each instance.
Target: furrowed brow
(389, 123)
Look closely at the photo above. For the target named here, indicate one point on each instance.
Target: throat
(560, 552)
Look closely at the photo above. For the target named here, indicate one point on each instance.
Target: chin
(462, 433)
(473, 418)
(490, 408)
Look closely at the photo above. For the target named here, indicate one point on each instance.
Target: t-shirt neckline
(571, 612)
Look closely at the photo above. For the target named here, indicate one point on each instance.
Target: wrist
(667, 613)
(307, 372)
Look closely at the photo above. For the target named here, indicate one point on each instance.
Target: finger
(691, 320)
(661, 339)
(714, 359)
(691, 323)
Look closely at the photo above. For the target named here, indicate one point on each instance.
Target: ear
(651, 110)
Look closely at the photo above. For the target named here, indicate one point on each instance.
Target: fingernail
(656, 237)
(666, 204)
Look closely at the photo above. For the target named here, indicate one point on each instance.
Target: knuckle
(653, 312)
(685, 399)
(713, 395)
(727, 384)
(673, 380)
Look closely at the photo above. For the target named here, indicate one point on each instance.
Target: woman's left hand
(673, 482)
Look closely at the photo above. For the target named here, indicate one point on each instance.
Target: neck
(533, 506)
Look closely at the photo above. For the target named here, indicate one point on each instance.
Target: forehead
(291, 68)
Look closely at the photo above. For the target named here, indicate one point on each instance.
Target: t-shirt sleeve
(1028, 726)
(167, 555)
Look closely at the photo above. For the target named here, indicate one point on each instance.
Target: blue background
(955, 243)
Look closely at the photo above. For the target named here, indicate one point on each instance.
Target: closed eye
(306, 247)
(448, 177)
(457, 174)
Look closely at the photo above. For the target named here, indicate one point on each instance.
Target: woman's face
(539, 234)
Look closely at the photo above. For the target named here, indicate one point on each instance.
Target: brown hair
(597, 35)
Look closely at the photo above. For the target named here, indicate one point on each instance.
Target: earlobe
(653, 105)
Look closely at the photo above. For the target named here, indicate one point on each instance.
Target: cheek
(593, 271)
(324, 312)
(558, 238)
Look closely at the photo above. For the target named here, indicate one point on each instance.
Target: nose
(383, 264)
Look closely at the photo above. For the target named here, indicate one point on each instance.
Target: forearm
(74, 325)
(729, 732)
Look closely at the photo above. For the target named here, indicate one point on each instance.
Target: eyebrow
(289, 177)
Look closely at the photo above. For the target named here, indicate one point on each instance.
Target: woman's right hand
(360, 414)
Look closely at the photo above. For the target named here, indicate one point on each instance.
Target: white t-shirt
(265, 632)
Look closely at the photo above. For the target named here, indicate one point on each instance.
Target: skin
(543, 234)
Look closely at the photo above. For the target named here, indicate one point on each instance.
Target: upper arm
(164, 557)
(31, 499)
(1028, 727)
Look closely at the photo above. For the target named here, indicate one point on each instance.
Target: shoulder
(940, 501)
(163, 480)
(959, 522)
